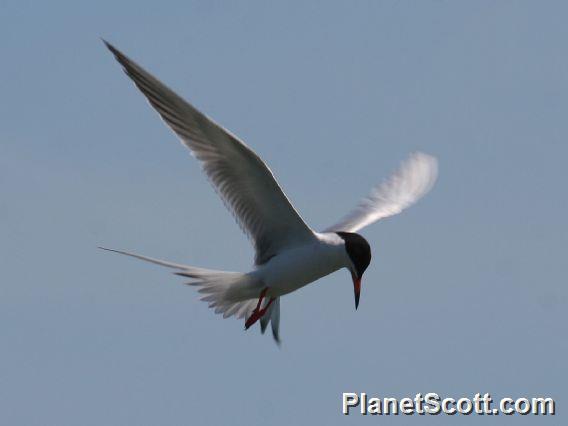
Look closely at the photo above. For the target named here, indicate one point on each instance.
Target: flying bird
(288, 253)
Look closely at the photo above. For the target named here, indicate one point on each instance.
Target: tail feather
(229, 293)
(272, 316)
(148, 259)
(265, 320)
(275, 319)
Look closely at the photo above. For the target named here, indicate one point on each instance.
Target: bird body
(288, 253)
(299, 266)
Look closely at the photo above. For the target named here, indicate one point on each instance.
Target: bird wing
(408, 184)
(245, 184)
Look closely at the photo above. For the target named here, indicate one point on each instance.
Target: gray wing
(246, 185)
(408, 184)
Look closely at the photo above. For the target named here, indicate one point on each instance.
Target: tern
(288, 253)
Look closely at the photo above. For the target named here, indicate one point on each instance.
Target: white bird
(288, 253)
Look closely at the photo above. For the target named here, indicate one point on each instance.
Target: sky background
(466, 292)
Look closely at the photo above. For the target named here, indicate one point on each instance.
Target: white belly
(295, 268)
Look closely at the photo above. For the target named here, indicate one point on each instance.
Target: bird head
(359, 253)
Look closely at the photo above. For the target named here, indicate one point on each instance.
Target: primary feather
(246, 185)
(408, 184)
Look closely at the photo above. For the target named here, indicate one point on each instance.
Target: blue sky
(466, 292)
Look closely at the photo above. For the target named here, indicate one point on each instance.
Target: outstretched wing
(245, 184)
(408, 184)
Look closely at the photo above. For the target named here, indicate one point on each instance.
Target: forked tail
(228, 293)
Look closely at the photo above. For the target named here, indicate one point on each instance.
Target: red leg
(258, 313)
(261, 298)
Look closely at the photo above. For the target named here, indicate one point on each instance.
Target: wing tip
(122, 59)
(431, 169)
(110, 47)
(425, 158)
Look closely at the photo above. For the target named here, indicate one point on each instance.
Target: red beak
(356, 288)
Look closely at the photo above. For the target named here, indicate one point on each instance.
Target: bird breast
(294, 268)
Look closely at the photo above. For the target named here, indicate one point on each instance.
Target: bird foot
(258, 313)
(255, 316)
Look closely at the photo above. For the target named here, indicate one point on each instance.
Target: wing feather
(245, 184)
(408, 184)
